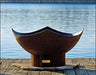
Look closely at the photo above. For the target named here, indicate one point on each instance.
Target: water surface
(64, 18)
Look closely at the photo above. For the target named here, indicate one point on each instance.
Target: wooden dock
(87, 67)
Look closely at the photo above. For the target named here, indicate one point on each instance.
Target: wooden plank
(35, 72)
(68, 61)
(69, 72)
(93, 60)
(2, 66)
(58, 72)
(5, 66)
(89, 64)
(11, 70)
(88, 61)
(90, 70)
(29, 73)
(45, 73)
(79, 71)
(1, 60)
(21, 71)
(14, 70)
(28, 62)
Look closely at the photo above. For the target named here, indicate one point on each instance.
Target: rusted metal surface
(47, 43)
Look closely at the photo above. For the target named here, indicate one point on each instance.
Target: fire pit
(47, 46)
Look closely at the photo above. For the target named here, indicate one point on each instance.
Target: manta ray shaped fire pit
(47, 44)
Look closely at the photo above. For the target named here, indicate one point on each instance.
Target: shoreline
(45, 3)
(51, 1)
(48, 3)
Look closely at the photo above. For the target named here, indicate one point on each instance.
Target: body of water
(31, 17)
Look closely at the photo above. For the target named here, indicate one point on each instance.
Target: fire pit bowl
(47, 46)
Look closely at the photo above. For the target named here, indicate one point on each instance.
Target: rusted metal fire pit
(47, 44)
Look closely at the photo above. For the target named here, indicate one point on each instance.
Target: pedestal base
(30, 67)
(47, 61)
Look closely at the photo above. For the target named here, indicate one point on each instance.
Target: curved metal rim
(48, 29)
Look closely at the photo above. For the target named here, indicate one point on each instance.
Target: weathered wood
(87, 67)
(58, 73)
(93, 60)
(79, 70)
(35, 72)
(91, 70)
(1, 60)
(2, 65)
(45, 73)
(5, 66)
(12, 70)
(69, 72)
(20, 71)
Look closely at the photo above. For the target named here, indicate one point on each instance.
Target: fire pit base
(30, 67)
(47, 61)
